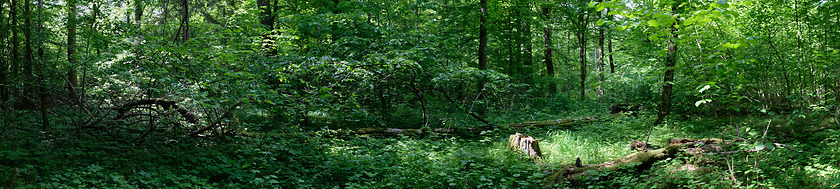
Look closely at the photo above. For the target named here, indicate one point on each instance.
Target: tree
(670, 62)
(42, 90)
(547, 55)
(581, 29)
(482, 49)
(72, 75)
(600, 57)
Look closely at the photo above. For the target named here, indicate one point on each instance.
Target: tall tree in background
(610, 49)
(27, 56)
(5, 69)
(42, 90)
(600, 56)
(547, 55)
(72, 75)
(581, 30)
(183, 33)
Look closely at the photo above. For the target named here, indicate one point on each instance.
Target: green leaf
(653, 23)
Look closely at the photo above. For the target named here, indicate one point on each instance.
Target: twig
(731, 172)
(766, 128)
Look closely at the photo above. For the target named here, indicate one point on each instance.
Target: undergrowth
(69, 158)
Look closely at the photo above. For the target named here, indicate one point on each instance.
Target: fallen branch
(472, 130)
(227, 113)
(162, 102)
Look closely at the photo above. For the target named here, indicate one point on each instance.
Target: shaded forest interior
(419, 94)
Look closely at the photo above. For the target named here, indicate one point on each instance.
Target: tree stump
(527, 144)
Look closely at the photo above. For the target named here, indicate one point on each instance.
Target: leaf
(653, 23)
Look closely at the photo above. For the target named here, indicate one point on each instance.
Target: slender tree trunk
(72, 75)
(610, 51)
(670, 62)
(138, 13)
(3, 95)
(28, 59)
(138, 18)
(528, 56)
(482, 49)
(7, 70)
(185, 21)
(547, 59)
(600, 64)
(45, 119)
(581, 35)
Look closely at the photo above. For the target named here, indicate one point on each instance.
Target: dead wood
(524, 143)
(378, 131)
(640, 159)
(224, 116)
(164, 103)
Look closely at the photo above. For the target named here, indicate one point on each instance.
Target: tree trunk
(527, 54)
(72, 75)
(549, 64)
(600, 64)
(185, 21)
(581, 35)
(667, 86)
(610, 51)
(45, 119)
(482, 51)
(3, 96)
(138, 13)
(5, 72)
(28, 58)
(265, 14)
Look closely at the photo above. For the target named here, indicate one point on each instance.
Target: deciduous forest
(419, 94)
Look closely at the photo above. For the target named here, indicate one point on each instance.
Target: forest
(419, 94)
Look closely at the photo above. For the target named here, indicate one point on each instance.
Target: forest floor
(320, 158)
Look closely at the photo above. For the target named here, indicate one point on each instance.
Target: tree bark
(28, 58)
(138, 13)
(610, 51)
(265, 14)
(547, 59)
(581, 35)
(482, 51)
(600, 64)
(45, 118)
(670, 62)
(162, 102)
(3, 94)
(72, 75)
(524, 143)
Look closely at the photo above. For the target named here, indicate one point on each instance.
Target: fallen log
(640, 159)
(166, 104)
(379, 131)
(554, 122)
